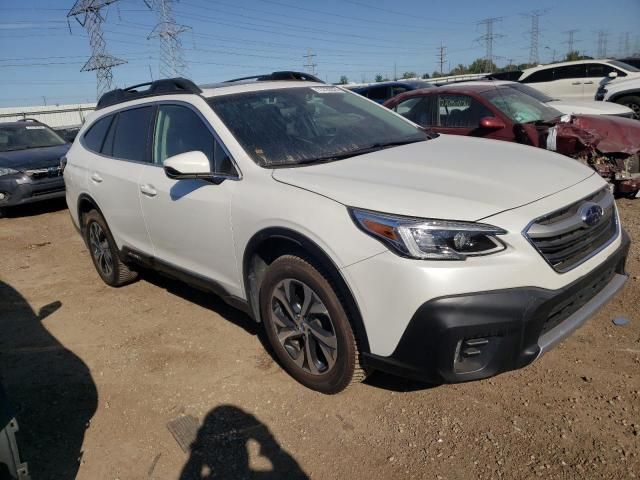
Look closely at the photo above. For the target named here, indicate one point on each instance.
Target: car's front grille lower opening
(574, 303)
(565, 240)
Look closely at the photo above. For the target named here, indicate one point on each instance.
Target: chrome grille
(48, 172)
(565, 240)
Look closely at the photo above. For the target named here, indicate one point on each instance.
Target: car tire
(308, 327)
(104, 252)
(633, 102)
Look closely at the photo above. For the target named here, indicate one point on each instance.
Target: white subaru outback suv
(360, 242)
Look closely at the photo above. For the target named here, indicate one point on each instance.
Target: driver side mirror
(491, 123)
(191, 166)
(613, 74)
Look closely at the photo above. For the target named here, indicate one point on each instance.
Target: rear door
(189, 220)
(119, 149)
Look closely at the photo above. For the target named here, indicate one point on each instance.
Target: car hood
(33, 157)
(589, 107)
(451, 177)
(606, 134)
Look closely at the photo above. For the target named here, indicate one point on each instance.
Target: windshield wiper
(353, 153)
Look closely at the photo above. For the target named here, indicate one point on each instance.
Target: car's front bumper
(473, 336)
(20, 189)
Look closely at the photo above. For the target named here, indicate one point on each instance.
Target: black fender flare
(304, 244)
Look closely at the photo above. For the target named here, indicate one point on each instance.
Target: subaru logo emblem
(591, 214)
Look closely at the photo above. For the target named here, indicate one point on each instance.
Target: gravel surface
(97, 373)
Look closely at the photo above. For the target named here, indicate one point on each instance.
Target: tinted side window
(419, 110)
(178, 130)
(398, 90)
(545, 75)
(569, 71)
(94, 137)
(461, 111)
(602, 70)
(378, 94)
(132, 133)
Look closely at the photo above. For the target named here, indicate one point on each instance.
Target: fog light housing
(473, 354)
(3, 196)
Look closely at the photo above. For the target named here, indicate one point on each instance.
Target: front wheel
(633, 102)
(308, 327)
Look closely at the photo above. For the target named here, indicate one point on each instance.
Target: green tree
(379, 78)
(481, 65)
(575, 55)
(409, 75)
(460, 69)
(425, 76)
(343, 80)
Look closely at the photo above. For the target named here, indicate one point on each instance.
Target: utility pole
(87, 13)
(534, 34)
(488, 39)
(172, 60)
(310, 65)
(570, 40)
(441, 56)
(625, 44)
(602, 43)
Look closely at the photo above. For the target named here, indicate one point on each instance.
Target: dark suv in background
(380, 92)
(30, 154)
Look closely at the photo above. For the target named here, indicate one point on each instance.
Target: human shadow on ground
(221, 450)
(50, 388)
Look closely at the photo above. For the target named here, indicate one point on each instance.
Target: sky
(42, 52)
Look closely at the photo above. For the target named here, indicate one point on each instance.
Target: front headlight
(428, 238)
(7, 171)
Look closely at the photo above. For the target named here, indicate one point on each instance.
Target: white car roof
(529, 71)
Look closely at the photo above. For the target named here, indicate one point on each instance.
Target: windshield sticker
(37, 127)
(326, 89)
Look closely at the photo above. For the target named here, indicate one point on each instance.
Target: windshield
(532, 92)
(293, 126)
(22, 137)
(624, 66)
(519, 107)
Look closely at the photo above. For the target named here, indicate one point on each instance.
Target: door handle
(148, 190)
(588, 83)
(96, 178)
(576, 83)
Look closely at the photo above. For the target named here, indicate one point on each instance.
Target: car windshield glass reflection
(295, 126)
(28, 136)
(519, 107)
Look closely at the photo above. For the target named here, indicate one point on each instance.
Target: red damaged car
(610, 145)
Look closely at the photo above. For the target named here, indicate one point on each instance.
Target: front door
(189, 220)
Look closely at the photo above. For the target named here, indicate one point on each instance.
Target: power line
(310, 65)
(172, 62)
(488, 38)
(534, 35)
(602, 43)
(441, 56)
(87, 13)
(570, 40)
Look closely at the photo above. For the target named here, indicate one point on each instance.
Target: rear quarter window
(94, 137)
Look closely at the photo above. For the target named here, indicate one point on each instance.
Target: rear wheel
(633, 102)
(104, 252)
(307, 326)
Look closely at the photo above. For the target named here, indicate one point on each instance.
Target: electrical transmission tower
(625, 44)
(534, 57)
(488, 39)
(602, 43)
(87, 13)
(441, 56)
(172, 60)
(310, 65)
(571, 40)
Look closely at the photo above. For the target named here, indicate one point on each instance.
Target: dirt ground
(97, 373)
